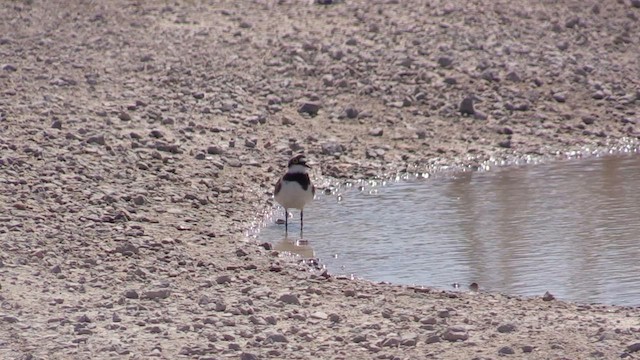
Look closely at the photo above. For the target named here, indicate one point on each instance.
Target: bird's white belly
(293, 196)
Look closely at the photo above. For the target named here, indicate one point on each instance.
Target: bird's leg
(286, 220)
(301, 221)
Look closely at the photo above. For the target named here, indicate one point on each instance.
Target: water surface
(571, 228)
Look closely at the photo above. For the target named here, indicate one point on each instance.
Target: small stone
(131, 294)
(250, 143)
(432, 339)
(223, 279)
(351, 112)
(248, 356)
(633, 347)
(359, 338)
(266, 246)
(444, 314)
(9, 68)
(445, 61)
(287, 121)
(310, 108)
(455, 333)
(588, 120)
(124, 116)
(156, 134)
(215, 150)
(289, 299)
(506, 350)
(376, 132)
(241, 253)
(506, 328)
(548, 296)
(331, 148)
(559, 97)
(57, 124)
(198, 95)
(527, 349)
(505, 144)
(319, 315)
(513, 77)
(277, 337)
(598, 95)
(429, 321)
(466, 106)
(156, 294)
(390, 342)
(55, 269)
(635, 4)
(562, 45)
(139, 200)
(97, 139)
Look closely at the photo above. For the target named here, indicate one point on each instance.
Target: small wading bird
(294, 190)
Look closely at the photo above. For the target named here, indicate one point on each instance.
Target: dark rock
(215, 150)
(156, 294)
(390, 342)
(248, 356)
(289, 299)
(506, 328)
(506, 350)
(156, 134)
(588, 120)
(633, 347)
(131, 294)
(350, 112)
(267, 246)
(548, 296)
(97, 139)
(223, 279)
(124, 116)
(359, 338)
(127, 249)
(505, 144)
(455, 333)
(9, 68)
(55, 269)
(432, 339)
(57, 124)
(466, 106)
(198, 95)
(559, 97)
(527, 349)
(445, 61)
(635, 4)
(277, 337)
(310, 108)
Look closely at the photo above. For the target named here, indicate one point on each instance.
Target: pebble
(445, 61)
(506, 350)
(289, 299)
(560, 97)
(124, 116)
(359, 338)
(455, 333)
(9, 68)
(55, 269)
(277, 337)
(248, 356)
(156, 294)
(57, 124)
(331, 148)
(376, 132)
(310, 108)
(319, 315)
(390, 342)
(527, 349)
(505, 144)
(97, 139)
(466, 106)
(131, 294)
(633, 347)
(215, 150)
(351, 112)
(223, 279)
(548, 296)
(432, 339)
(506, 328)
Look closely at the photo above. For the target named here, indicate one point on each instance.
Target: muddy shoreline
(138, 140)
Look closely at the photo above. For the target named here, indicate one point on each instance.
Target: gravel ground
(140, 140)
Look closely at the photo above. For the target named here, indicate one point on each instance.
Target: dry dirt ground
(139, 140)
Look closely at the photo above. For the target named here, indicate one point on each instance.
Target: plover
(294, 190)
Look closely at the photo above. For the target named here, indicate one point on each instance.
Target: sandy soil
(139, 140)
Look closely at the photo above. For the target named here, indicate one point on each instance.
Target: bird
(294, 189)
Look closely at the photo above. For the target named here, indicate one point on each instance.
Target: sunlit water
(571, 228)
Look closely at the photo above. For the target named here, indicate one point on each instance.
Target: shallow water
(571, 228)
